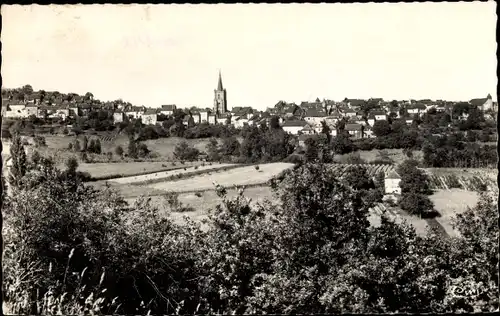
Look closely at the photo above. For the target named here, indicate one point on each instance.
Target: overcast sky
(163, 54)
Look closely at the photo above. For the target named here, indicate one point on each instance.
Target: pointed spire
(219, 85)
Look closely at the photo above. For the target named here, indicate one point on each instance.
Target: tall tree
(18, 168)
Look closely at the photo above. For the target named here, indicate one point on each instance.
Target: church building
(220, 100)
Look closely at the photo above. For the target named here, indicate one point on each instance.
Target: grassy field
(449, 203)
(204, 202)
(129, 168)
(370, 155)
(165, 146)
(239, 176)
(165, 174)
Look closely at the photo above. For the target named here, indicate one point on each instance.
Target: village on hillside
(356, 116)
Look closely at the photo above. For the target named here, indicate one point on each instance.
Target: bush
(257, 167)
(183, 151)
(417, 204)
(294, 158)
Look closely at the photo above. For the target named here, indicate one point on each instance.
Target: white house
(371, 120)
(134, 113)
(314, 117)
(240, 122)
(149, 117)
(118, 117)
(60, 113)
(380, 116)
(391, 183)
(212, 119)
(307, 130)
(16, 110)
(204, 116)
(31, 110)
(168, 109)
(350, 113)
(293, 127)
(196, 117)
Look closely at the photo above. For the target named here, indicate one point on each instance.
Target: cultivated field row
(247, 175)
(165, 175)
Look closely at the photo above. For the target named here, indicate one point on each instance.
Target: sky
(171, 54)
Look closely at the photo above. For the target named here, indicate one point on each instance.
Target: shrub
(195, 168)
(453, 182)
(416, 204)
(257, 167)
(294, 158)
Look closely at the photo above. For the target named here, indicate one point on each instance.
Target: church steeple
(220, 99)
(219, 85)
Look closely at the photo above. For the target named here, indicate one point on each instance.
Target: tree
(40, 141)
(416, 204)
(357, 178)
(71, 166)
(311, 154)
(18, 168)
(274, 122)
(91, 146)
(88, 96)
(142, 150)
(76, 147)
(319, 226)
(381, 128)
(213, 150)
(85, 143)
(413, 180)
(183, 151)
(325, 129)
(119, 151)
(230, 147)
(342, 144)
(97, 146)
(132, 148)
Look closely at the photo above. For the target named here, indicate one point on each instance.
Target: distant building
(150, 117)
(314, 116)
(16, 111)
(168, 109)
(355, 130)
(204, 116)
(220, 98)
(293, 127)
(212, 119)
(74, 111)
(118, 117)
(392, 183)
(308, 130)
(484, 104)
(196, 117)
(31, 110)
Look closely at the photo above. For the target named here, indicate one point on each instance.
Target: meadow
(248, 175)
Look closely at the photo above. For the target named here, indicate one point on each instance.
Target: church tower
(220, 99)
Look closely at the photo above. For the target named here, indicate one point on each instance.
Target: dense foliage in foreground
(73, 249)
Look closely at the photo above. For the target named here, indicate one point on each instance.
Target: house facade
(118, 117)
(293, 127)
(392, 183)
(149, 117)
(355, 130)
(168, 109)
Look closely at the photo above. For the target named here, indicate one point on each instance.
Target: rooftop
(294, 123)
